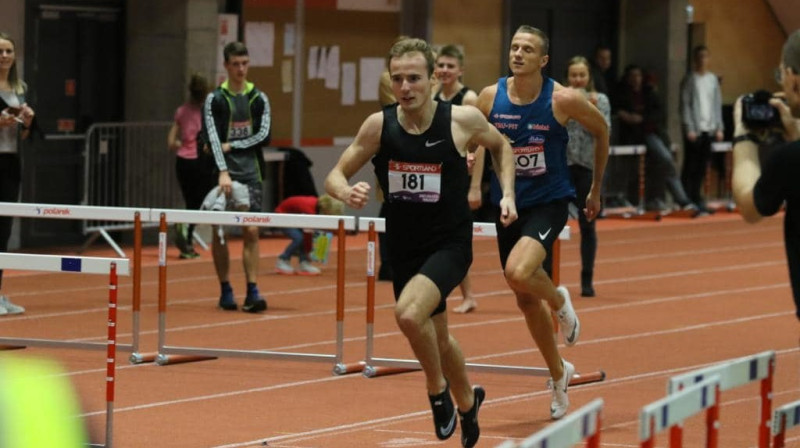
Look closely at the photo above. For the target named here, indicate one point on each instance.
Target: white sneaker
(284, 267)
(9, 307)
(567, 319)
(306, 268)
(560, 403)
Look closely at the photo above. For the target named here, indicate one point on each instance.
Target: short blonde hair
(329, 206)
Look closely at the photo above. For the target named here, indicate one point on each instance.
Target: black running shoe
(444, 414)
(470, 431)
(254, 304)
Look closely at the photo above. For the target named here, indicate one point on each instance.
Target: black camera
(758, 114)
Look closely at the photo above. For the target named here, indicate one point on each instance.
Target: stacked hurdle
(785, 418)
(672, 410)
(373, 366)
(735, 373)
(82, 265)
(581, 425)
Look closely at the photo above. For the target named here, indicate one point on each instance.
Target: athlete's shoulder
(486, 99)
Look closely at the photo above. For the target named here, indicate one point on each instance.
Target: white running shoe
(284, 267)
(567, 319)
(560, 403)
(9, 307)
(306, 268)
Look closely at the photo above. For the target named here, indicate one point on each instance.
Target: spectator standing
(191, 167)
(236, 120)
(701, 116)
(580, 158)
(16, 119)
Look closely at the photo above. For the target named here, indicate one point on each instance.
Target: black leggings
(10, 177)
(196, 180)
(582, 180)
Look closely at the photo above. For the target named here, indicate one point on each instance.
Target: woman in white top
(15, 122)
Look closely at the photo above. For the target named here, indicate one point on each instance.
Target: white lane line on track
(339, 430)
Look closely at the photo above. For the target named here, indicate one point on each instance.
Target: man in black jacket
(236, 120)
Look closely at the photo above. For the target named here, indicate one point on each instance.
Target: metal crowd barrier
(127, 165)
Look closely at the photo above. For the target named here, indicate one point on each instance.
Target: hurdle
(786, 417)
(581, 425)
(733, 374)
(83, 212)
(674, 409)
(639, 213)
(82, 265)
(373, 366)
(176, 354)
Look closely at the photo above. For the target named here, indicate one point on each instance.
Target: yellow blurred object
(38, 405)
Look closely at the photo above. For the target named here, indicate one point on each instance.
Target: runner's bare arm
(482, 133)
(363, 148)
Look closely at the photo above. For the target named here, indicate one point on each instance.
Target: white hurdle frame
(674, 409)
(81, 265)
(735, 373)
(83, 212)
(373, 366)
(582, 424)
(341, 224)
(786, 417)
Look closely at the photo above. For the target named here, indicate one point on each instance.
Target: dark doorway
(575, 27)
(74, 66)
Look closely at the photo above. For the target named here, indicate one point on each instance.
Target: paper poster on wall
(369, 5)
(227, 32)
(260, 40)
(322, 64)
(332, 69)
(369, 75)
(287, 80)
(313, 58)
(288, 39)
(348, 83)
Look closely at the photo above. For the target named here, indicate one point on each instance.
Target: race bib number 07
(415, 182)
(529, 161)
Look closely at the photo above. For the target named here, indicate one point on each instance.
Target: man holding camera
(761, 192)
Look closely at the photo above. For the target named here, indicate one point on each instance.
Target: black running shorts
(543, 223)
(445, 267)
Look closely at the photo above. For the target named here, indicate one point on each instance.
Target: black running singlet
(425, 184)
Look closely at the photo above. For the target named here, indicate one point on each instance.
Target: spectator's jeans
(296, 246)
(661, 172)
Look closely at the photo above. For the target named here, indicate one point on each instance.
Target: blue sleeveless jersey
(540, 147)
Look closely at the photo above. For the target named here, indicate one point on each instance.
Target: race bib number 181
(415, 182)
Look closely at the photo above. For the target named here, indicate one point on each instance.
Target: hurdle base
(376, 371)
(166, 360)
(347, 369)
(587, 378)
(140, 358)
(12, 347)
